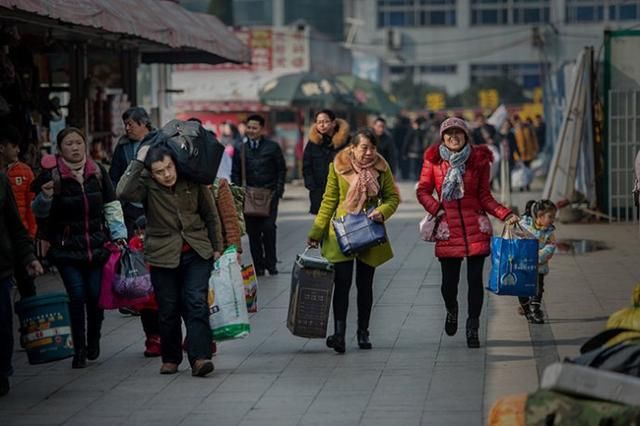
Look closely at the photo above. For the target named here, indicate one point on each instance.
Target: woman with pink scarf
(359, 179)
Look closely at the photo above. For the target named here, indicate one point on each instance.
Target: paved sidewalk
(414, 375)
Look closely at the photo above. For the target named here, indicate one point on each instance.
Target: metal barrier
(624, 144)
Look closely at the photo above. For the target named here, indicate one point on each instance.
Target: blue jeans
(182, 292)
(6, 327)
(82, 282)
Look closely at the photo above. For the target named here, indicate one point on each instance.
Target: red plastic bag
(109, 299)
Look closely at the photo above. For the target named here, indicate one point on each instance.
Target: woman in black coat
(327, 136)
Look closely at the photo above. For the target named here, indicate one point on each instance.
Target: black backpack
(196, 150)
(623, 357)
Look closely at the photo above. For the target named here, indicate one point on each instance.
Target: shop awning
(172, 33)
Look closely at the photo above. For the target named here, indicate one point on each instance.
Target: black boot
(451, 322)
(94, 325)
(535, 314)
(336, 341)
(79, 358)
(473, 341)
(363, 339)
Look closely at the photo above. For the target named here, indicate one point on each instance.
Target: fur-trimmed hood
(343, 165)
(480, 155)
(339, 138)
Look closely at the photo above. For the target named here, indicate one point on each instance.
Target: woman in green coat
(359, 179)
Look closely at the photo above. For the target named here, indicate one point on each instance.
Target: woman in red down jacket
(459, 173)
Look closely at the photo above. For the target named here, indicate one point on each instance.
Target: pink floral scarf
(365, 186)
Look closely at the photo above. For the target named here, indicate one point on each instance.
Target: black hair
(67, 131)
(536, 207)
(157, 153)
(139, 115)
(196, 119)
(367, 133)
(380, 119)
(256, 117)
(10, 135)
(327, 112)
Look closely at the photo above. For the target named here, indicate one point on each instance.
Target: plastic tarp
(198, 37)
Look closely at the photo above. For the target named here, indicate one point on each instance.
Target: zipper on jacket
(86, 222)
(464, 228)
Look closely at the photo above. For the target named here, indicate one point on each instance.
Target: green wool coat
(340, 175)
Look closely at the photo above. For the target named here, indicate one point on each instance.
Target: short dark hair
(196, 119)
(10, 135)
(380, 119)
(327, 112)
(256, 117)
(139, 115)
(157, 153)
(366, 133)
(67, 131)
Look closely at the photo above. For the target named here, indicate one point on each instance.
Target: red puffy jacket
(469, 227)
(20, 175)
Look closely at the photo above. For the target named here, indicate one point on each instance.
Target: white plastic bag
(228, 317)
(521, 176)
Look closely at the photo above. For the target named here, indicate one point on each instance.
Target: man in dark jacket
(16, 248)
(264, 167)
(137, 124)
(327, 136)
(386, 147)
(484, 133)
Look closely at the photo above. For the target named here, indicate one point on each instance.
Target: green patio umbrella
(306, 89)
(371, 96)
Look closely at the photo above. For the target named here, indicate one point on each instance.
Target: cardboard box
(592, 383)
(310, 298)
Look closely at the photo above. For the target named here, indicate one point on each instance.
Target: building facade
(454, 43)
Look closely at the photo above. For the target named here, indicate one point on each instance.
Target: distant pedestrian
(386, 147)
(16, 251)
(414, 146)
(327, 135)
(459, 173)
(541, 132)
(358, 179)
(20, 177)
(182, 238)
(526, 141)
(74, 200)
(483, 133)
(538, 219)
(265, 168)
(401, 127)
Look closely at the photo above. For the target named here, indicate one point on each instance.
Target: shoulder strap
(243, 166)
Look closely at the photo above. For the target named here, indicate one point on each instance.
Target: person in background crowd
(459, 173)
(385, 146)
(230, 137)
(483, 133)
(358, 179)
(182, 237)
(137, 124)
(413, 147)
(399, 134)
(16, 251)
(541, 132)
(76, 198)
(507, 143)
(265, 168)
(20, 177)
(327, 136)
(432, 132)
(526, 140)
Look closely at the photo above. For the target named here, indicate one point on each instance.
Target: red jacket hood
(480, 155)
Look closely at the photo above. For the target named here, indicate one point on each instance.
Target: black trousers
(451, 277)
(262, 238)
(182, 292)
(364, 285)
(537, 299)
